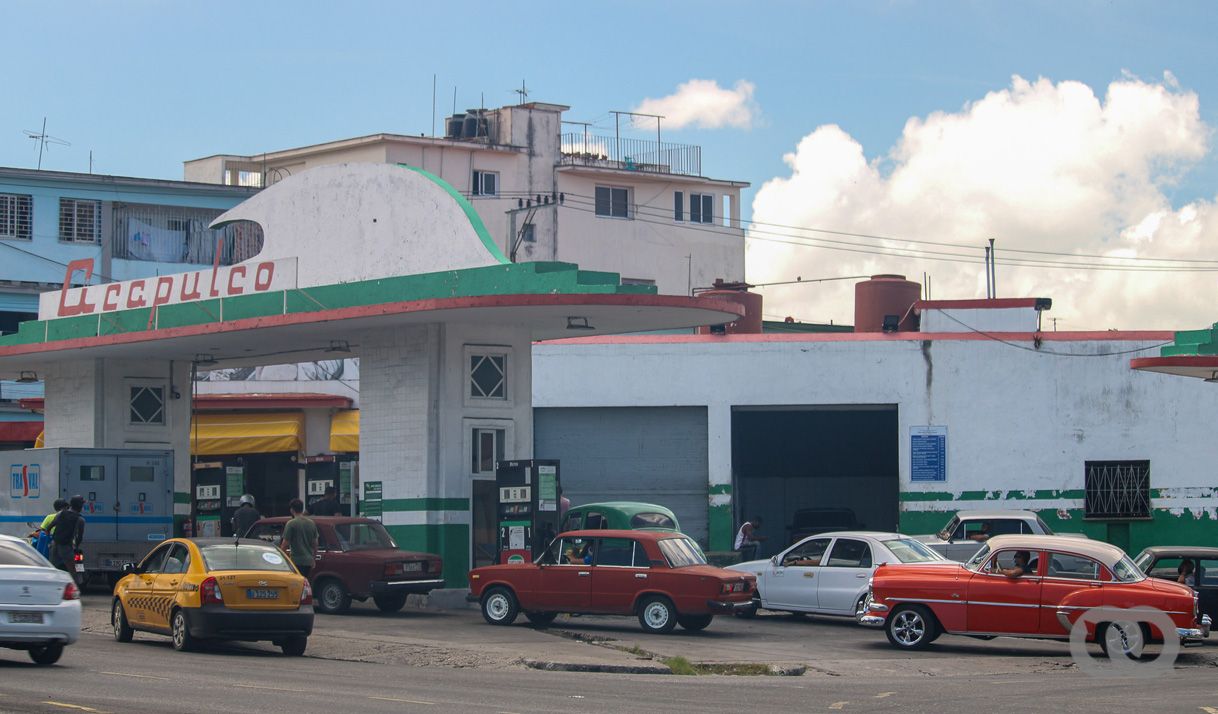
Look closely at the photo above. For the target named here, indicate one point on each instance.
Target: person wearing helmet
(245, 517)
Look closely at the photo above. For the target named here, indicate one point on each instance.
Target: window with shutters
(1117, 489)
(16, 216)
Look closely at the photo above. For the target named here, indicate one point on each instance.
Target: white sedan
(39, 603)
(827, 574)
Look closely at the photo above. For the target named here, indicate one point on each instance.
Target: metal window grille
(79, 220)
(16, 213)
(486, 377)
(1117, 489)
(147, 405)
(178, 234)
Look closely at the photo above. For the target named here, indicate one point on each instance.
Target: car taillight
(392, 569)
(71, 592)
(209, 592)
(80, 557)
(435, 567)
(734, 587)
(306, 595)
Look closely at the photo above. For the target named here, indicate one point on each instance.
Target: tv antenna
(43, 139)
(523, 91)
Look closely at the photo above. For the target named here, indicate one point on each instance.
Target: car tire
(657, 615)
(294, 646)
(389, 603)
(911, 627)
(183, 641)
(123, 631)
(500, 606)
(693, 623)
(331, 597)
(541, 619)
(47, 654)
(1101, 638)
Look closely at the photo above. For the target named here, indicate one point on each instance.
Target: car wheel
(47, 654)
(294, 646)
(693, 623)
(331, 597)
(389, 603)
(499, 606)
(118, 621)
(541, 619)
(1122, 638)
(183, 641)
(911, 627)
(657, 615)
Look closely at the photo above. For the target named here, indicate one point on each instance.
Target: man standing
(300, 538)
(747, 539)
(245, 517)
(327, 505)
(68, 530)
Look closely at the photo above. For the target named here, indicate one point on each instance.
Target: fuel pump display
(528, 510)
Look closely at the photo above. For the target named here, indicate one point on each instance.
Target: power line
(1051, 352)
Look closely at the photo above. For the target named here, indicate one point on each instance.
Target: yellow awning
(38, 442)
(344, 431)
(246, 433)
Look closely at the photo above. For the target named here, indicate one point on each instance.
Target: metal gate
(650, 454)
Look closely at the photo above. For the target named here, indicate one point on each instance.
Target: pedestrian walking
(747, 539)
(245, 516)
(300, 538)
(68, 530)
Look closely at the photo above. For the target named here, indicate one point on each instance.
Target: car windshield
(21, 554)
(975, 562)
(244, 556)
(681, 552)
(908, 550)
(1047, 530)
(1126, 571)
(364, 536)
(950, 528)
(652, 520)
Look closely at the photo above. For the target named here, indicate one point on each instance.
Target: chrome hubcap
(656, 615)
(178, 624)
(331, 597)
(497, 606)
(116, 617)
(909, 628)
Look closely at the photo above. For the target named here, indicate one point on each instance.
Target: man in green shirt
(300, 538)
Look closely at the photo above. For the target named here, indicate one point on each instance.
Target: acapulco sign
(215, 282)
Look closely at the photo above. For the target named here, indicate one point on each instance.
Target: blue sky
(147, 84)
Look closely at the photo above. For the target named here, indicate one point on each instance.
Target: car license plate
(262, 593)
(412, 567)
(25, 618)
(80, 567)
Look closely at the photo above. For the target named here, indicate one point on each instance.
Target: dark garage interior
(832, 457)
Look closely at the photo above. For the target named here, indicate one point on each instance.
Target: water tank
(469, 128)
(452, 127)
(736, 293)
(883, 296)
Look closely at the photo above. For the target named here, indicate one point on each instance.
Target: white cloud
(703, 104)
(1037, 166)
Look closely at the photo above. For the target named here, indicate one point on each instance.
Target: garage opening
(815, 469)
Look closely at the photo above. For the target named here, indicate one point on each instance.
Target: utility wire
(1051, 352)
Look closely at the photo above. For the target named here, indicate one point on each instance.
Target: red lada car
(357, 559)
(1026, 586)
(662, 577)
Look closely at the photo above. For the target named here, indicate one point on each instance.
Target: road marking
(73, 706)
(407, 701)
(129, 674)
(275, 689)
(838, 705)
(885, 695)
(1209, 710)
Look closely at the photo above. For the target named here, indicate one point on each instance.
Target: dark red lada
(357, 559)
(662, 577)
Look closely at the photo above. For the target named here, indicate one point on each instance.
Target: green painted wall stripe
(450, 541)
(1016, 495)
(425, 504)
(181, 497)
(718, 488)
(474, 219)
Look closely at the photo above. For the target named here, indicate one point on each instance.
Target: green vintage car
(619, 515)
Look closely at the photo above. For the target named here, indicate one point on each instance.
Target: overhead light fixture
(578, 323)
(203, 360)
(339, 346)
(28, 377)
(1212, 378)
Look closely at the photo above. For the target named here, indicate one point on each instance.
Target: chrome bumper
(1196, 633)
(871, 621)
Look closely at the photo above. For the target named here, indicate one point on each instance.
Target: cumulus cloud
(703, 104)
(1039, 166)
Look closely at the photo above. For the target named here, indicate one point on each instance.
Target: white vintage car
(827, 574)
(967, 531)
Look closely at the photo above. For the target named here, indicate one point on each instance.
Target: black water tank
(452, 127)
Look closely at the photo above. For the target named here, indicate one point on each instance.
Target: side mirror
(774, 560)
(129, 568)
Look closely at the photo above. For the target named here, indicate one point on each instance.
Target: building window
(678, 206)
(638, 281)
(487, 449)
(612, 202)
(701, 208)
(488, 376)
(79, 220)
(486, 183)
(1117, 489)
(147, 405)
(15, 216)
(528, 234)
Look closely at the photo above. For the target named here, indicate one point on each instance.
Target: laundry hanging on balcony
(147, 242)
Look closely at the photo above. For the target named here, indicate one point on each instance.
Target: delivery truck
(128, 500)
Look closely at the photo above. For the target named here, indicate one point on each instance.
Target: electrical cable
(1051, 352)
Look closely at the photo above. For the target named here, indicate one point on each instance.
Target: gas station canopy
(1194, 353)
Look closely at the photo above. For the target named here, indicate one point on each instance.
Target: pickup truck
(968, 530)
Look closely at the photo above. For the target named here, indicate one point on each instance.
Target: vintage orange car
(660, 576)
(1025, 586)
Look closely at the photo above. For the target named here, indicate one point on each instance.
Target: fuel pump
(208, 500)
(528, 510)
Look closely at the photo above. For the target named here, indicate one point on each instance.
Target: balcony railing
(168, 234)
(631, 154)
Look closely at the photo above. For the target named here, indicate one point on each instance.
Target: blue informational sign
(927, 453)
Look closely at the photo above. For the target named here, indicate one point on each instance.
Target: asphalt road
(859, 673)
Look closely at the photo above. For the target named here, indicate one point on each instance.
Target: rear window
(681, 552)
(652, 520)
(21, 554)
(908, 550)
(244, 557)
(363, 536)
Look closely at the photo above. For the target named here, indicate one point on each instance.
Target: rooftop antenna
(43, 138)
(90, 160)
(523, 92)
(433, 104)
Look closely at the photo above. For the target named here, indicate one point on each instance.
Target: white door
(843, 577)
(791, 581)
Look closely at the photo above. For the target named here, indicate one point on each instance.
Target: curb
(602, 668)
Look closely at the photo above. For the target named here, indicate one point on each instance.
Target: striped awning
(344, 431)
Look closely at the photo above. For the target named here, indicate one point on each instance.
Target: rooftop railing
(628, 154)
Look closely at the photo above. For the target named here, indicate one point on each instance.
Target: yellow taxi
(196, 589)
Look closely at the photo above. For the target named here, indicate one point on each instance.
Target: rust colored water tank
(882, 296)
(747, 324)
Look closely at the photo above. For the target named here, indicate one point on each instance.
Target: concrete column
(720, 519)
